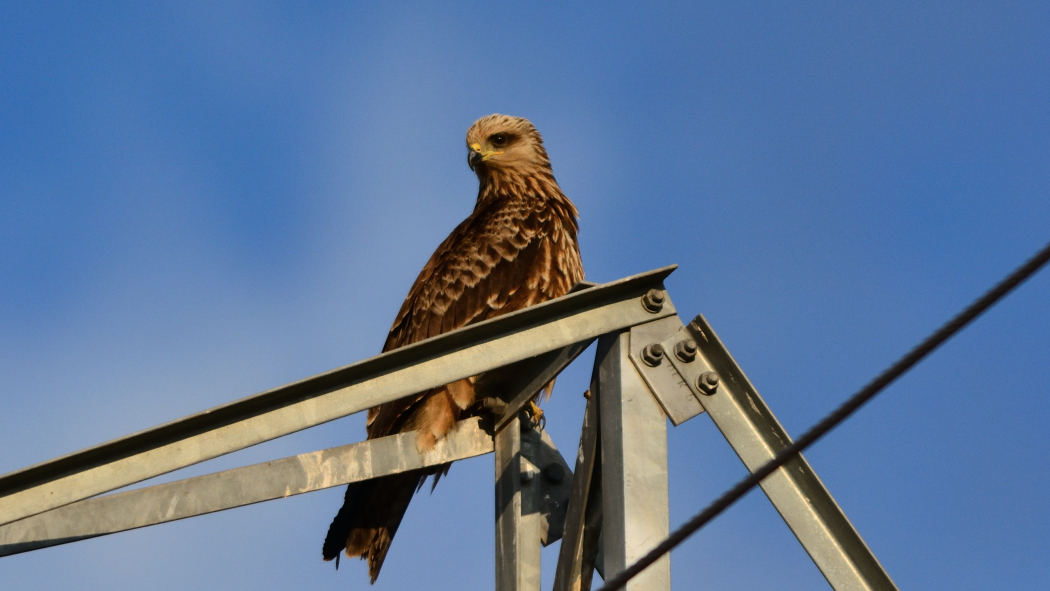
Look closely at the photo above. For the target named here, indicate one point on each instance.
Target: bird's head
(503, 145)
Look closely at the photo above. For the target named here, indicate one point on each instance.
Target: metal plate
(666, 384)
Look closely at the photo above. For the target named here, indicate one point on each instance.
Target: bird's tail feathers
(371, 513)
(372, 510)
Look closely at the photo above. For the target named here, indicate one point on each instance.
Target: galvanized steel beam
(518, 527)
(249, 421)
(579, 544)
(635, 515)
(536, 374)
(238, 487)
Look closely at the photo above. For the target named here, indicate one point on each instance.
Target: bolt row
(653, 355)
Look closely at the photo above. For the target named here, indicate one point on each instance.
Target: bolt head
(653, 300)
(685, 350)
(527, 475)
(494, 405)
(707, 382)
(653, 354)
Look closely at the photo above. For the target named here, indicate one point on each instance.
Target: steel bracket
(663, 380)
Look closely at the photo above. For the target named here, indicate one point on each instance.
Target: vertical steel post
(634, 467)
(517, 509)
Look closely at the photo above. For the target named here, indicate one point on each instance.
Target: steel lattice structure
(610, 508)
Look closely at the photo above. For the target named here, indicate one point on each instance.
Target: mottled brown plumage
(517, 248)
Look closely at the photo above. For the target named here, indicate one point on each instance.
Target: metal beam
(795, 490)
(591, 556)
(238, 487)
(535, 374)
(249, 421)
(518, 527)
(573, 571)
(635, 514)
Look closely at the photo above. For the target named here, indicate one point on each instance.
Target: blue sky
(202, 200)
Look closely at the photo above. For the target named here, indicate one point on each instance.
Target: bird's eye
(499, 139)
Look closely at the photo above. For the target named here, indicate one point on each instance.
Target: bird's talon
(537, 415)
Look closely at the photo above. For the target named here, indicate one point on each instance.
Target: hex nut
(554, 472)
(685, 350)
(707, 382)
(653, 354)
(653, 300)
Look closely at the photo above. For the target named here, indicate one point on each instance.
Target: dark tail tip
(335, 541)
(339, 531)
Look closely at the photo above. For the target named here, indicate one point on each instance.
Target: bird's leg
(537, 415)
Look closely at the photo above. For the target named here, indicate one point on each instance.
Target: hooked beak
(476, 154)
(474, 157)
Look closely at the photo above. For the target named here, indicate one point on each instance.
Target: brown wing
(514, 253)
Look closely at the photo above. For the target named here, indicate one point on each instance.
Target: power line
(832, 420)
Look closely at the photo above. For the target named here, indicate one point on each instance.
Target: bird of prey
(517, 248)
